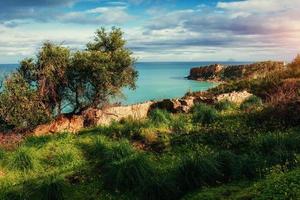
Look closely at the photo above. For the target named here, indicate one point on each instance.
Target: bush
(252, 102)
(228, 165)
(128, 173)
(224, 105)
(158, 116)
(26, 111)
(117, 151)
(196, 171)
(180, 124)
(22, 160)
(204, 114)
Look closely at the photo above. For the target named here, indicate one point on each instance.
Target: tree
(58, 77)
(48, 74)
(99, 73)
(20, 105)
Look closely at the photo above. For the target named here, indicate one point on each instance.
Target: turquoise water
(157, 80)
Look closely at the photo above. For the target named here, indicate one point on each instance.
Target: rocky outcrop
(207, 73)
(96, 117)
(61, 124)
(235, 97)
(221, 73)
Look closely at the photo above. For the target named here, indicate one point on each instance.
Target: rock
(235, 97)
(96, 117)
(219, 73)
(171, 105)
(61, 124)
(205, 73)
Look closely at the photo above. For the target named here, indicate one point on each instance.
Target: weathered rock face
(61, 124)
(235, 97)
(210, 72)
(221, 73)
(95, 117)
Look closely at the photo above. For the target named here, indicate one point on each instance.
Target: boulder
(171, 105)
(96, 117)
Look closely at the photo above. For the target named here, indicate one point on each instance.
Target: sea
(157, 80)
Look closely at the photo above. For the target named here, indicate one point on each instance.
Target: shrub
(180, 124)
(197, 171)
(162, 187)
(49, 188)
(252, 165)
(117, 151)
(278, 186)
(252, 102)
(22, 160)
(224, 105)
(228, 164)
(204, 114)
(158, 116)
(26, 111)
(128, 173)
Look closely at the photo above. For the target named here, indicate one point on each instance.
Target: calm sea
(157, 80)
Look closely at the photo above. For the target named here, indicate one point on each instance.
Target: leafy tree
(48, 74)
(20, 104)
(99, 73)
(58, 77)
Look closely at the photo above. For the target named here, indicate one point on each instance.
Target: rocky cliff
(221, 73)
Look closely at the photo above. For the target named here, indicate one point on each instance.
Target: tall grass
(22, 159)
(204, 114)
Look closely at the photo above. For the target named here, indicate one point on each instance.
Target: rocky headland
(221, 73)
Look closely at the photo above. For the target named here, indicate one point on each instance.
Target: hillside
(219, 149)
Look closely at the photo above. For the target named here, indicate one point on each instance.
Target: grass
(216, 152)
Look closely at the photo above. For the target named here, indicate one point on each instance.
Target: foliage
(22, 160)
(204, 114)
(59, 80)
(224, 105)
(159, 116)
(253, 102)
(196, 171)
(26, 111)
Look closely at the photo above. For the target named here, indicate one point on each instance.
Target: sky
(157, 30)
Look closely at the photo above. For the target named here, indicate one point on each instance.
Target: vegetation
(59, 80)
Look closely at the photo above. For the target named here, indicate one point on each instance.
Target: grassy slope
(231, 156)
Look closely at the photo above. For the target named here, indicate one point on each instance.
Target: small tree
(99, 73)
(48, 74)
(20, 105)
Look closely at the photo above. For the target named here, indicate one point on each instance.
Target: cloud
(100, 15)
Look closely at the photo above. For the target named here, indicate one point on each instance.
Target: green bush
(117, 151)
(158, 116)
(128, 173)
(204, 114)
(278, 186)
(181, 125)
(26, 111)
(224, 105)
(22, 160)
(252, 102)
(196, 171)
(228, 164)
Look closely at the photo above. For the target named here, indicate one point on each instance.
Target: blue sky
(157, 30)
